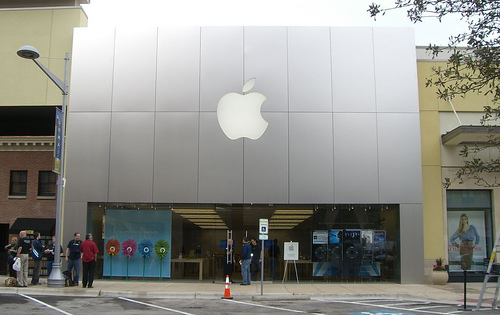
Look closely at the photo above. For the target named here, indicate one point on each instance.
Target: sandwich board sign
(291, 251)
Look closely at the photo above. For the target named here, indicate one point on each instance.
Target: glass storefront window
(335, 242)
(469, 229)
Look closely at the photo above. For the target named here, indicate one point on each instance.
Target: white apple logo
(239, 114)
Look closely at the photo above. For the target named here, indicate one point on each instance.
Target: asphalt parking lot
(73, 305)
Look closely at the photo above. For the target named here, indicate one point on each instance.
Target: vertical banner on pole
(58, 142)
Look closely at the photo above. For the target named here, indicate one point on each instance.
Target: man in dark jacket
(50, 253)
(246, 258)
(256, 260)
(274, 255)
(37, 254)
(73, 257)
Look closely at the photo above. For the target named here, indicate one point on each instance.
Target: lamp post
(56, 278)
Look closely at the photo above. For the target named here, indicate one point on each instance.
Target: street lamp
(56, 278)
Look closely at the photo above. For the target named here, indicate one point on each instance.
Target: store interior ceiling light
(293, 212)
(285, 216)
(202, 220)
(215, 223)
(285, 227)
(210, 227)
(285, 224)
(193, 211)
(200, 216)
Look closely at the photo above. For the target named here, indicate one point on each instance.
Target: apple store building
(306, 139)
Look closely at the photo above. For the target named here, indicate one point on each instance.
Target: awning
(469, 135)
(46, 227)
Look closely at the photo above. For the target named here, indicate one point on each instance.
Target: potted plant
(439, 274)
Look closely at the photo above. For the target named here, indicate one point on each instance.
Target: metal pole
(262, 268)
(56, 278)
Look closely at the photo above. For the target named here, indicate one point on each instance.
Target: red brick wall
(31, 206)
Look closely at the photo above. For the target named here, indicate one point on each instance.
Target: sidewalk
(449, 293)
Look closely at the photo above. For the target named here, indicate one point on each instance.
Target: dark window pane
(18, 183)
(46, 183)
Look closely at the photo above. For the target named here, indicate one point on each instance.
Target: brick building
(27, 109)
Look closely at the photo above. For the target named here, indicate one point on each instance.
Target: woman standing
(469, 238)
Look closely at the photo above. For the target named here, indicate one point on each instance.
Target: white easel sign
(291, 251)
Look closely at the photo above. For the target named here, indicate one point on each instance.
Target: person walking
(12, 253)
(73, 257)
(274, 255)
(246, 258)
(37, 253)
(89, 258)
(23, 250)
(50, 254)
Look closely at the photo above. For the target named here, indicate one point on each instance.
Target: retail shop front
(177, 135)
(335, 242)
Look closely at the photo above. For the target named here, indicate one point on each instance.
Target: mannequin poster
(466, 240)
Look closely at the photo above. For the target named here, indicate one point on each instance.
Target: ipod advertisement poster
(348, 252)
(334, 236)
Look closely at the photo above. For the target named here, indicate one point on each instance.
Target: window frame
(43, 182)
(15, 181)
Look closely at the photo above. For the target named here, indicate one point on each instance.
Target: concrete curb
(281, 297)
(145, 294)
(81, 292)
(52, 291)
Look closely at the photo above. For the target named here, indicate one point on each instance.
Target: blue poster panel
(141, 241)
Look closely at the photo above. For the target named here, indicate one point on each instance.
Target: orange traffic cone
(227, 292)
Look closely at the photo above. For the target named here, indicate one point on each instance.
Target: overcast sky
(263, 12)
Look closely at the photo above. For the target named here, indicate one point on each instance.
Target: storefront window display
(335, 242)
(469, 229)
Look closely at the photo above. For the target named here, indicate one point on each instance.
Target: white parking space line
(155, 306)
(377, 300)
(45, 304)
(431, 306)
(265, 306)
(406, 304)
(386, 306)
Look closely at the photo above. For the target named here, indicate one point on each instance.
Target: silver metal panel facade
(398, 182)
(342, 106)
(75, 215)
(266, 60)
(412, 252)
(309, 68)
(176, 139)
(221, 64)
(134, 81)
(95, 63)
(142, 56)
(311, 158)
(87, 159)
(266, 163)
(353, 72)
(355, 157)
(395, 71)
(221, 163)
(178, 83)
(131, 157)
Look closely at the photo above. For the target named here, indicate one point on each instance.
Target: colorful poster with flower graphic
(135, 233)
(466, 230)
